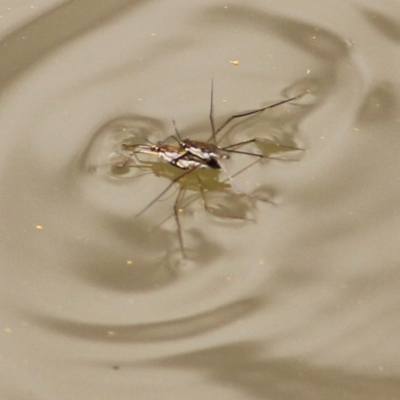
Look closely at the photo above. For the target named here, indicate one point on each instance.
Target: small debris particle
(39, 227)
(234, 62)
(129, 262)
(349, 42)
(7, 330)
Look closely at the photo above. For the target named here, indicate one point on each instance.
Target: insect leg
(128, 159)
(177, 210)
(176, 132)
(163, 192)
(255, 140)
(214, 133)
(177, 138)
(251, 196)
(248, 113)
(210, 209)
(203, 195)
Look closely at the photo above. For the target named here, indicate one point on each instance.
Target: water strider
(192, 156)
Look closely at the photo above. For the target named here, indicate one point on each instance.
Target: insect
(192, 156)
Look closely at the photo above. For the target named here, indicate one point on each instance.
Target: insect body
(177, 156)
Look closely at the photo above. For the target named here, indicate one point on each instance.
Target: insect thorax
(203, 150)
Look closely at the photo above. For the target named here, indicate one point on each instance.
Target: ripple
(304, 271)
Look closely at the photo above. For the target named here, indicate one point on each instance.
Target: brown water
(303, 303)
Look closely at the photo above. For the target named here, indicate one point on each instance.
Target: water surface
(297, 299)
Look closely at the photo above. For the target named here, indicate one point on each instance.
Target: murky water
(298, 299)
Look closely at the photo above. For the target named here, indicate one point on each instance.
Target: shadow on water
(148, 260)
(28, 44)
(384, 24)
(242, 366)
(379, 106)
(178, 329)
